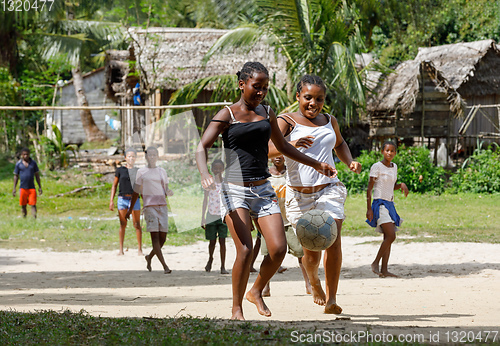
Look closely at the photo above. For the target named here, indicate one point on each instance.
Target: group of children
(307, 138)
(249, 193)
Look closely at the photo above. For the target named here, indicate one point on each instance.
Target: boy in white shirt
(152, 183)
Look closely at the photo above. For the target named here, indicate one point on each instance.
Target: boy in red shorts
(26, 169)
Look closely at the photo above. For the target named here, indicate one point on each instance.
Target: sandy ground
(444, 287)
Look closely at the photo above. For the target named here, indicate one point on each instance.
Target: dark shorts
(215, 228)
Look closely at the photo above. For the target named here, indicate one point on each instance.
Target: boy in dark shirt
(26, 170)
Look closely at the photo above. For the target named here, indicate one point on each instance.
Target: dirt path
(443, 287)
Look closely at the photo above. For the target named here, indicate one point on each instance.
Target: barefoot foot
(208, 267)
(385, 274)
(266, 292)
(375, 269)
(139, 253)
(333, 309)
(223, 271)
(120, 253)
(308, 288)
(167, 270)
(148, 263)
(281, 269)
(318, 294)
(238, 315)
(256, 298)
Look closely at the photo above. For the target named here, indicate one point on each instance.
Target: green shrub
(415, 169)
(480, 173)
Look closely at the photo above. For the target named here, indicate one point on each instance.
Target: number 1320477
(471, 336)
(26, 5)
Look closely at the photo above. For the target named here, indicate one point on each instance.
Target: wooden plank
(418, 122)
(440, 107)
(382, 131)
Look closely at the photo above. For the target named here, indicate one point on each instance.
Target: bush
(480, 173)
(415, 169)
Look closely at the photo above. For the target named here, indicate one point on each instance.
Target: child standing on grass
(212, 223)
(382, 213)
(27, 170)
(152, 183)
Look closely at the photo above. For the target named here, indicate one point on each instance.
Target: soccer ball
(316, 230)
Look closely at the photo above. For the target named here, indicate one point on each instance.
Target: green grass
(446, 218)
(53, 328)
(82, 221)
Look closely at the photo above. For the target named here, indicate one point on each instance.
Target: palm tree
(316, 37)
(62, 30)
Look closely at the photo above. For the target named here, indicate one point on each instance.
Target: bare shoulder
(223, 115)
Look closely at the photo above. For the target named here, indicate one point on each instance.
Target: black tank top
(246, 149)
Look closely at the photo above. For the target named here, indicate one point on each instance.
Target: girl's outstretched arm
(218, 125)
(285, 128)
(342, 149)
(403, 187)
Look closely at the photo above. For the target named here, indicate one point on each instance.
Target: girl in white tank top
(321, 150)
(316, 135)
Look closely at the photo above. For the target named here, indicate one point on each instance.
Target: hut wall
(485, 121)
(69, 121)
(431, 105)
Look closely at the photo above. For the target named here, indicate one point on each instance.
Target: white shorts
(156, 217)
(330, 199)
(384, 217)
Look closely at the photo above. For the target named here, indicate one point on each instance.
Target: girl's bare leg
(123, 226)
(304, 275)
(273, 232)
(333, 262)
(240, 225)
(310, 261)
(158, 239)
(389, 230)
(136, 218)
(211, 249)
(222, 245)
(389, 237)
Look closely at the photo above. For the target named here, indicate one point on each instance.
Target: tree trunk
(92, 132)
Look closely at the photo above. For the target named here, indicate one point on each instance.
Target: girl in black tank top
(246, 128)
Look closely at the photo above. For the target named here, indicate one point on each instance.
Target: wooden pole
(423, 103)
(40, 108)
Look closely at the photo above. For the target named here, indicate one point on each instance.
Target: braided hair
(249, 69)
(310, 79)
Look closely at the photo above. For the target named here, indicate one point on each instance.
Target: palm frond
(245, 36)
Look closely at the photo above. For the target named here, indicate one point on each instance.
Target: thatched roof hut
(415, 100)
(167, 59)
(172, 57)
(471, 68)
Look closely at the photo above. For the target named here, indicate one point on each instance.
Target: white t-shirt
(151, 181)
(385, 178)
